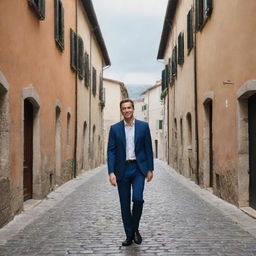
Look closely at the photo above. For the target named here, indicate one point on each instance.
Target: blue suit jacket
(117, 148)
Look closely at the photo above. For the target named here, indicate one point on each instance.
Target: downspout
(195, 98)
(90, 95)
(75, 139)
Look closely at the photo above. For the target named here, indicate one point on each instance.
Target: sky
(132, 31)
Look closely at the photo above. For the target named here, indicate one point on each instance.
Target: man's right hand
(112, 179)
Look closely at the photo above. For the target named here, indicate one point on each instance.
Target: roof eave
(167, 27)
(88, 6)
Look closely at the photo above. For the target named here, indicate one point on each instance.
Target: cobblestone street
(83, 217)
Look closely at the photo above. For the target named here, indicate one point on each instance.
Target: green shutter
(189, 30)
(199, 14)
(73, 50)
(87, 70)
(62, 25)
(80, 56)
(208, 8)
(42, 9)
(181, 48)
(174, 61)
(163, 79)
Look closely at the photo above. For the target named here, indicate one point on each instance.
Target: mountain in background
(134, 91)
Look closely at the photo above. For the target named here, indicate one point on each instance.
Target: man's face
(127, 110)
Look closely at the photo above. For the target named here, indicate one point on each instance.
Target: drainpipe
(90, 95)
(195, 98)
(75, 139)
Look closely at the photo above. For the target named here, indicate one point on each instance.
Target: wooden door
(252, 150)
(28, 151)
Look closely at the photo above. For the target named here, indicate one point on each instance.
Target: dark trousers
(134, 179)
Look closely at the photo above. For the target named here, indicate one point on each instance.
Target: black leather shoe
(137, 237)
(127, 242)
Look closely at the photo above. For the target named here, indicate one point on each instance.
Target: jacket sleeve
(111, 151)
(149, 150)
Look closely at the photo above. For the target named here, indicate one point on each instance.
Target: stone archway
(5, 182)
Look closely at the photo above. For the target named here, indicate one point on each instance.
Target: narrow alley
(82, 217)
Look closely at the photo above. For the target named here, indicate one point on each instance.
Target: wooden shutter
(181, 48)
(59, 23)
(73, 50)
(199, 14)
(163, 79)
(80, 55)
(39, 8)
(42, 9)
(94, 81)
(174, 61)
(87, 70)
(189, 30)
(167, 76)
(208, 8)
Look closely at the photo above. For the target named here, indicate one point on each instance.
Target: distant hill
(134, 91)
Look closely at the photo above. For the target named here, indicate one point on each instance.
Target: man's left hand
(149, 176)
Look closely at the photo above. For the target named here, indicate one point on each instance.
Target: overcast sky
(131, 30)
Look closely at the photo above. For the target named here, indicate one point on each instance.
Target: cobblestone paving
(175, 222)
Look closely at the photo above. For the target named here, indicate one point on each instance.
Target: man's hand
(149, 176)
(112, 179)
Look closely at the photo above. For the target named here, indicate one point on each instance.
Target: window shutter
(87, 70)
(56, 24)
(80, 56)
(94, 81)
(208, 8)
(101, 89)
(174, 62)
(62, 25)
(189, 31)
(181, 48)
(167, 76)
(73, 50)
(163, 79)
(42, 9)
(199, 14)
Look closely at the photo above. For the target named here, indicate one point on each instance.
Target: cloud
(136, 78)
(147, 8)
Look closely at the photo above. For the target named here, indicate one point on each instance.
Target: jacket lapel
(123, 134)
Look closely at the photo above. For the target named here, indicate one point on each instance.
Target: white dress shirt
(129, 136)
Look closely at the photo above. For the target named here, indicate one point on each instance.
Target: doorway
(208, 142)
(28, 150)
(252, 150)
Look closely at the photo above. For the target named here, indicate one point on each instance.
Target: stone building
(43, 68)
(153, 109)
(114, 92)
(225, 89)
(178, 86)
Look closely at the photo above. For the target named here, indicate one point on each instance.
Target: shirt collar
(133, 122)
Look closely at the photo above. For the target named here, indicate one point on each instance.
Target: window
(101, 96)
(86, 70)
(159, 124)
(164, 80)
(39, 8)
(144, 107)
(73, 49)
(174, 61)
(181, 48)
(59, 24)
(189, 31)
(94, 81)
(203, 12)
(80, 58)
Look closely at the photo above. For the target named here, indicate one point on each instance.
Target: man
(130, 161)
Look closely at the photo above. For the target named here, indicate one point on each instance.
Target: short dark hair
(126, 100)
